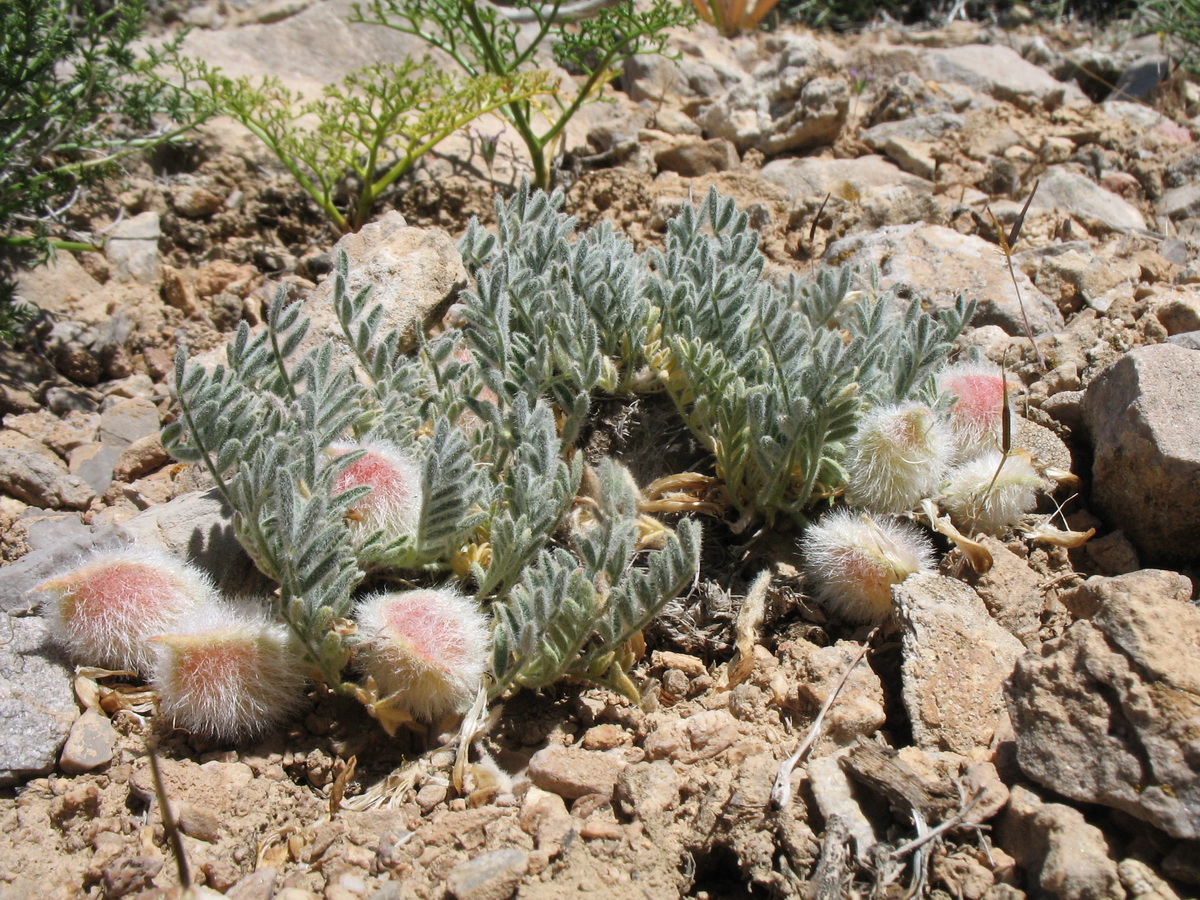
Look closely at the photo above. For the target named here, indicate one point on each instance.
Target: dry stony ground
(1078, 779)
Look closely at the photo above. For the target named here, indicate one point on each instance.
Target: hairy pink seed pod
(394, 504)
(852, 561)
(425, 648)
(228, 673)
(978, 503)
(896, 458)
(976, 415)
(104, 611)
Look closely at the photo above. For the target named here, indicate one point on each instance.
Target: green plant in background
(364, 133)
(733, 16)
(75, 100)
(1179, 22)
(483, 39)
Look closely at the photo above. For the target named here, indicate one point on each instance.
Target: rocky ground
(1046, 713)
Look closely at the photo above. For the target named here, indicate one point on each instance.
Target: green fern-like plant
(483, 39)
(363, 134)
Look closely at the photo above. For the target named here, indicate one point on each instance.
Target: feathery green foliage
(497, 485)
(1179, 22)
(74, 100)
(482, 39)
(365, 132)
(772, 379)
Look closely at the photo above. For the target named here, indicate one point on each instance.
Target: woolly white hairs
(896, 458)
(975, 507)
(394, 504)
(228, 672)
(103, 611)
(426, 648)
(852, 561)
(978, 408)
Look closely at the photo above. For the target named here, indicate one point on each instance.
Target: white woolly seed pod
(427, 649)
(976, 415)
(980, 500)
(103, 612)
(394, 504)
(228, 673)
(852, 561)
(896, 458)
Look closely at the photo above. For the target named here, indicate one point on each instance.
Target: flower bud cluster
(220, 669)
(902, 455)
(229, 671)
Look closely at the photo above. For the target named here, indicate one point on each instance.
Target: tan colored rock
(1140, 414)
(142, 456)
(1108, 713)
(939, 263)
(699, 736)
(956, 660)
(90, 745)
(574, 772)
(1064, 854)
(1012, 592)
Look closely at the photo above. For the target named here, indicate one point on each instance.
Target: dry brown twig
(1007, 245)
(781, 791)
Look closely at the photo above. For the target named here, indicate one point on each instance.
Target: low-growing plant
(496, 482)
(364, 133)
(484, 39)
(455, 469)
(771, 378)
(75, 99)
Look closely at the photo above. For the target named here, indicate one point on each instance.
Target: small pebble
(489, 876)
(90, 745)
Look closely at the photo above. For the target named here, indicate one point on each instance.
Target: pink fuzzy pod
(976, 415)
(105, 611)
(228, 673)
(851, 562)
(427, 649)
(896, 458)
(394, 504)
(985, 496)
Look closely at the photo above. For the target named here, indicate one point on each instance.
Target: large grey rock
(132, 249)
(1064, 855)
(194, 526)
(956, 660)
(922, 129)
(1064, 191)
(1000, 72)
(314, 48)
(1110, 712)
(40, 481)
(1181, 202)
(37, 703)
(198, 526)
(816, 177)
(1141, 414)
(127, 421)
(939, 263)
(789, 104)
(413, 272)
(20, 578)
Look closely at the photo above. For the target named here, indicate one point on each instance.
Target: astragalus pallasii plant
(455, 470)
